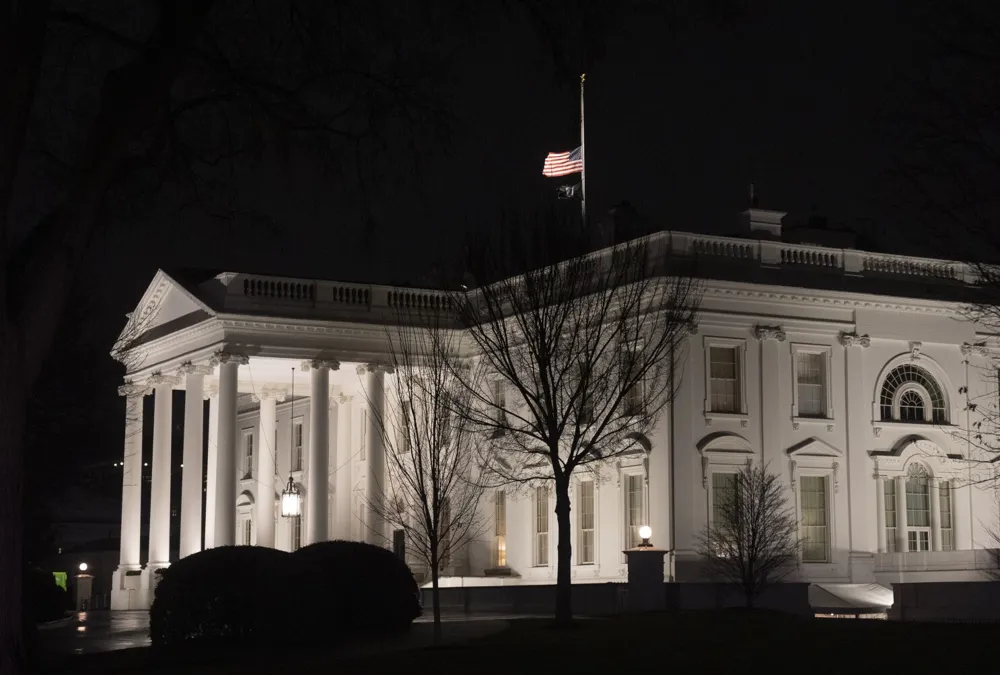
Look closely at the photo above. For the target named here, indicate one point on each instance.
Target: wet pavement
(102, 631)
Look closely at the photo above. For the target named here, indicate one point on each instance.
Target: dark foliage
(360, 587)
(226, 594)
(44, 599)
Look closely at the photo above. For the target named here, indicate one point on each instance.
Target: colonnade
(133, 583)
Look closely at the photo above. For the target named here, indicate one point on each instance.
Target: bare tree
(752, 539)
(576, 350)
(432, 492)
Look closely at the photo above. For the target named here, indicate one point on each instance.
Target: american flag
(563, 163)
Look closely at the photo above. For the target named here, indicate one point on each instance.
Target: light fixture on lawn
(645, 532)
(83, 567)
(291, 500)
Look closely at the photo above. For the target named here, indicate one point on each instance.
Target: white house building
(847, 372)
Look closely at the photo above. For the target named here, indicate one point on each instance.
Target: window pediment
(723, 449)
(814, 447)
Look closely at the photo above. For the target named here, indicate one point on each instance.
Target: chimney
(763, 223)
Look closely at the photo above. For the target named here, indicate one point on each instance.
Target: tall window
(634, 395)
(910, 394)
(724, 380)
(500, 530)
(585, 538)
(248, 532)
(541, 527)
(815, 528)
(947, 541)
(296, 523)
(399, 544)
(443, 419)
(444, 535)
(890, 515)
(248, 453)
(810, 379)
(585, 412)
(500, 400)
(297, 445)
(405, 428)
(918, 510)
(723, 485)
(634, 509)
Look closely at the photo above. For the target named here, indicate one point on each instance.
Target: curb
(58, 623)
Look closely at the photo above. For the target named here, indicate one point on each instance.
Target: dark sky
(680, 119)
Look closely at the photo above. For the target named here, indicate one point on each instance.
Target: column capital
(343, 399)
(769, 333)
(268, 393)
(852, 339)
(316, 364)
(159, 378)
(131, 388)
(210, 390)
(376, 368)
(223, 356)
(189, 368)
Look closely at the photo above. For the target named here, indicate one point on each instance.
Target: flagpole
(583, 159)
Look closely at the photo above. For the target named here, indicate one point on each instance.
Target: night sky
(681, 117)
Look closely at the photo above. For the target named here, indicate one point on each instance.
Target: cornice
(825, 298)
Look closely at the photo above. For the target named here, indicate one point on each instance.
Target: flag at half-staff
(563, 163)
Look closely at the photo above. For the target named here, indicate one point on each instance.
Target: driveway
(91, 632)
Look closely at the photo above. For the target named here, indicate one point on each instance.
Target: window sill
(742, 418)
(896, 424)
(828, 422)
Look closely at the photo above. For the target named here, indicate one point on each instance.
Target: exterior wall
(861, 335)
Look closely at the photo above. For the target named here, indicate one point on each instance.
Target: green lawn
(687, 642)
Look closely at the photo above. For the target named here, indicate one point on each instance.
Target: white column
(159, 493)
(266, 463)
(318, 483)
(211, 467)
(880, 512)
(935, 489)
(132, 477)
(191, 476)
(226, 478)
(375, 450)
(901, 544)
(345, 464)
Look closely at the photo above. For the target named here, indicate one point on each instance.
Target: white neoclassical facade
(849, 373)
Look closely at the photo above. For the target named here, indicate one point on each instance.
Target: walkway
(92, 632)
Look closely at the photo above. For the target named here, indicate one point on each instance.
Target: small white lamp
(645, 532)
(83, 567)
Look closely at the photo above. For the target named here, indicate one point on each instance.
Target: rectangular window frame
(586, 546)
(947, 494)
(499, 553)
(827, 509)
(630, 530)
(826, 351)
(740, 345)
(298, 441)
(540, 529)
(634, 399)
(247, 452)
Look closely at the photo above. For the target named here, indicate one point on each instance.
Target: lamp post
(84, 585)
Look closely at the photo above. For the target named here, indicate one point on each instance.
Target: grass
(683, 642)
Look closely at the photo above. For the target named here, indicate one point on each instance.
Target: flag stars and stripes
(563, 163)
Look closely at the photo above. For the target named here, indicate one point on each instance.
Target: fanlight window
(910, 394)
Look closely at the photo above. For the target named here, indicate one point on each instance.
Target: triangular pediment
(813, 447)
(166, 306)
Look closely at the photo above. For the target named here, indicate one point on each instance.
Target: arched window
(910, 394)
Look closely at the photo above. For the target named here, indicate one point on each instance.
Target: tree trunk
(435, 593)
(564, 555)
(13, 401)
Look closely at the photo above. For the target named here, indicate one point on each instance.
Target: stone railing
(256, 291)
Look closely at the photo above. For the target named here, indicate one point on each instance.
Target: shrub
(44, 599)
(226, 594)
(357, 587)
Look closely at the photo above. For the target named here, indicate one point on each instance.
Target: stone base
(862, 567)
(126, 589)
(150, 579)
